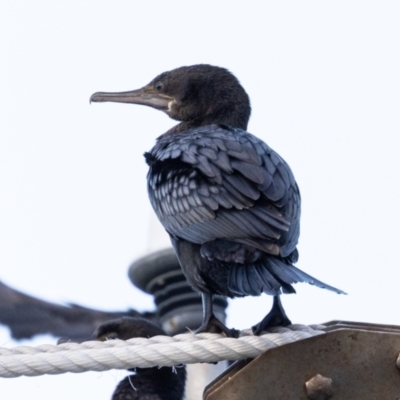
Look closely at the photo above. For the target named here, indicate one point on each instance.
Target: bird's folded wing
(220, 182)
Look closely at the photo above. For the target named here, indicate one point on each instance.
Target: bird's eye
(111, 336)
(159, 86)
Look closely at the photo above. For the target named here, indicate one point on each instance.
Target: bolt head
(319, 388)
(398, 362)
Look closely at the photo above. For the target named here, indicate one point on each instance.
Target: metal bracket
(352, 361)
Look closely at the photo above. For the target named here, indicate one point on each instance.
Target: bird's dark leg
(210, 322)
(276, 317)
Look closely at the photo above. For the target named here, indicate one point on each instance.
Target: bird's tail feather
(272, 276)
(284, 270)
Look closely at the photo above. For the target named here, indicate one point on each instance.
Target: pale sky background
(324, 81)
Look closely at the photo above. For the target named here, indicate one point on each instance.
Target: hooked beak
(145, 96)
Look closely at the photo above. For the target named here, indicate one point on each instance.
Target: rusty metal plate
(361, 364)
(365, 326)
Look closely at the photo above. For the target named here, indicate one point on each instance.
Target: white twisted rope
(139, 352)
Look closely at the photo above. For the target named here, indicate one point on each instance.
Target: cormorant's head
(127, 328)
(146, 383)
(196, 95)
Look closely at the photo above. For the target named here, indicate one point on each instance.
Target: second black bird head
(126, 328)
(197, 95)
(147, 383)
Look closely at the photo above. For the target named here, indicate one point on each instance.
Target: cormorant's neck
(236, 118)
(186, 125)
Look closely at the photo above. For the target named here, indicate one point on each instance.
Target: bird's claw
(214, 325)
(272, 319)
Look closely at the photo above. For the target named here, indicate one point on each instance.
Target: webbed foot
(214, 325)
(211, 323)
(276, 317)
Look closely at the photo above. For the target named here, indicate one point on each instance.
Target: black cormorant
(229, 202)
(155, 383)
